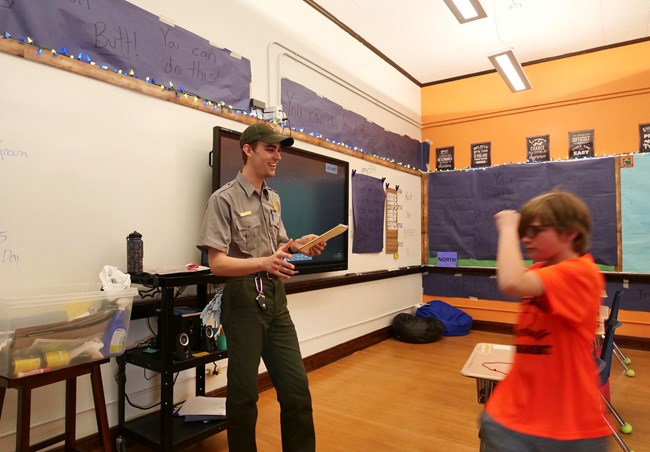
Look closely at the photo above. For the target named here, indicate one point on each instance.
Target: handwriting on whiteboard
(6, 153)
(7, 256)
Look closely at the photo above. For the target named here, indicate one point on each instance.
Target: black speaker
(182, 346)
(188, 320)
(208, 338)
(185, 327)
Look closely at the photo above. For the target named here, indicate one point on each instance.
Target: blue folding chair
(604, 362)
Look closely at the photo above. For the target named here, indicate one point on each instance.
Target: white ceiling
(424, 39)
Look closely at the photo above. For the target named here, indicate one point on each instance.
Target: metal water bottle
(134, 253)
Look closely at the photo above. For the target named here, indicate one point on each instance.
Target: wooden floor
(402, 397)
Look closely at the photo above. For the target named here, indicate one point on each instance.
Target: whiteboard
(83, 163)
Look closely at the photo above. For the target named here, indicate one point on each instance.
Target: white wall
(98, 161)
(274, 34)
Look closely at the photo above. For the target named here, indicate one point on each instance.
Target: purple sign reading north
(447, 259)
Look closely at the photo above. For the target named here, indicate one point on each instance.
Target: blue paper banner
(636, 295)
(461, 285)
(307, 110)
(462, 204)
(368, 201)
(124, 37)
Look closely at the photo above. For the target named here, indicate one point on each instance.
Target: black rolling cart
(162, 430)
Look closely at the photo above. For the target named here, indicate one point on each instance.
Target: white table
(488, 364)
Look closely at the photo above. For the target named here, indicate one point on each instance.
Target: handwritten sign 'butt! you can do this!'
(125, 37)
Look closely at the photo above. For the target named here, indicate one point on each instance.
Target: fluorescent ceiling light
(510, 70)
(466, 10)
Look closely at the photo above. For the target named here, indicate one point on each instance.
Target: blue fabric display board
(315, 114)
(121, 36)
(368, 201)
(462, 204)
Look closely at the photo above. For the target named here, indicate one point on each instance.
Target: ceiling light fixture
(466, 10)
(510, 70)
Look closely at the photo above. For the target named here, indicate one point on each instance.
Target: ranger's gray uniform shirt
(241, 223)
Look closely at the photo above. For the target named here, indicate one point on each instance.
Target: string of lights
(181, 94)
(221, 107)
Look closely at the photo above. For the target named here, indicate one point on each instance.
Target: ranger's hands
(314, 250)
(277, 265)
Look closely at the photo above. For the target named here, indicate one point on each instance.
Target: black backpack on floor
(417, 330)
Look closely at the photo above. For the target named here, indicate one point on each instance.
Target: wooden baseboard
(323, 358)
(637, 343)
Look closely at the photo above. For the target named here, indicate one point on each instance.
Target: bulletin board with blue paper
(462, 205)
(120, 36)
(368, 199)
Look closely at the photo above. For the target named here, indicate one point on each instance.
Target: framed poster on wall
(581, 144)
(481, 154)
(538, 149)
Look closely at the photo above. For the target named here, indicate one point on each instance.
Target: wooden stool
(69, 374)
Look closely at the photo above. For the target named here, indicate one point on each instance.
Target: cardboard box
(51, 328)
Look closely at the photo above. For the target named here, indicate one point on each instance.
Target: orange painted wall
(608, 91)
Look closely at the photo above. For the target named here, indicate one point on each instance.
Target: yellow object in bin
(21, 366)
(56, 359)
(78, 309)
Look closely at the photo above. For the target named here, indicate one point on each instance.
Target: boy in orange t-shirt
(550, 399)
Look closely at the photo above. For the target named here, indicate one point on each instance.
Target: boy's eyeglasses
(533, 230)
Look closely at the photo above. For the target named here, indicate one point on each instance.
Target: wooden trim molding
(637, 343)
(31, 53)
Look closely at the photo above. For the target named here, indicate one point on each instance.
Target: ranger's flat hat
(261, 131)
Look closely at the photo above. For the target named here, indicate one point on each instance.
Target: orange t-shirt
(552, 389)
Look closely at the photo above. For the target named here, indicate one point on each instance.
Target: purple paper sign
(315, 114)
(124, 37)
(462, 204)
(447, 259)
(368, 201)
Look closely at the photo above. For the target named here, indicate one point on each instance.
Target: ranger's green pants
(253, 333)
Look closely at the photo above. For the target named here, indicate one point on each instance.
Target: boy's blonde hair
(562, 210)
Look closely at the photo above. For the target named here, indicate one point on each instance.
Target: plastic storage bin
(51, 328)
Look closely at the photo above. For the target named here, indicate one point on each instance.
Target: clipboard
(324, 237)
